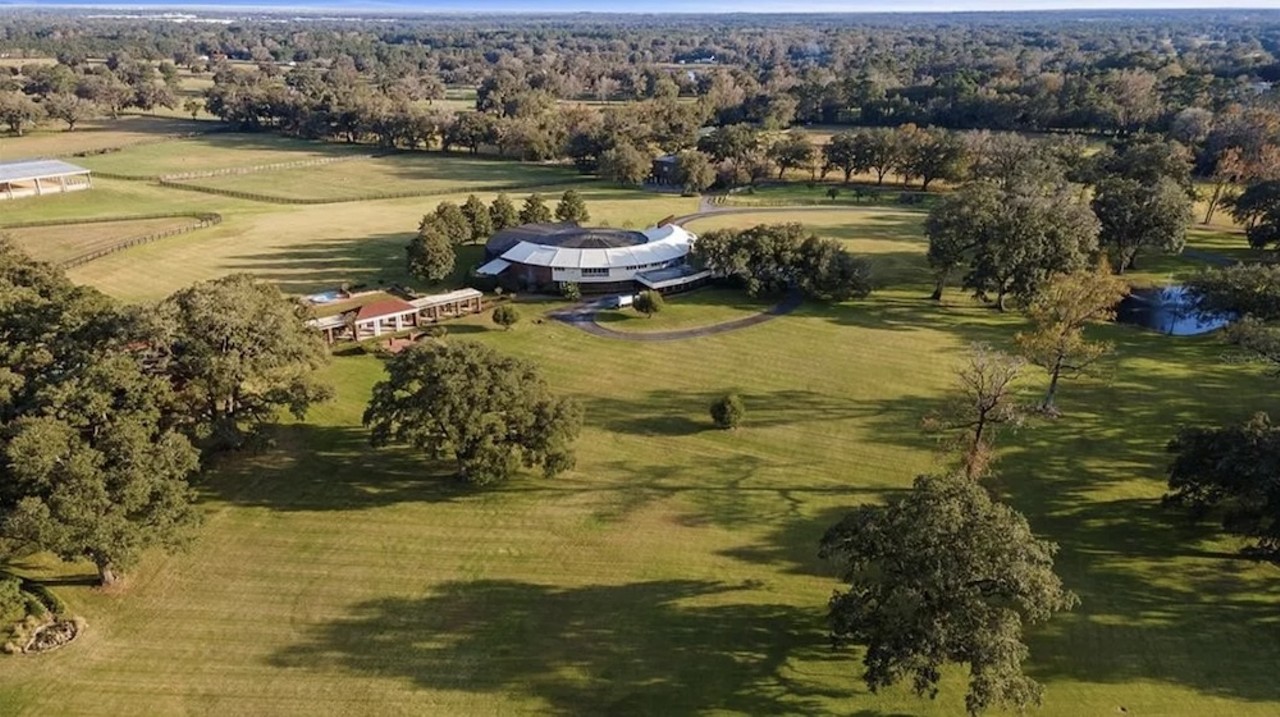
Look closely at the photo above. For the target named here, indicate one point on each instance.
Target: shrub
(728, 411)
(46, 597)
(506, 316)
(12, 604)
(649, 303)
(571, 291)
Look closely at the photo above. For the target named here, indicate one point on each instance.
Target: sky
(658, 6)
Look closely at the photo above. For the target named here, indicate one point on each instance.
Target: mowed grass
(703, 307)
(53, 141)
(66, 241)
(425, 172)
(213, 152)
(673, 571)
(305, 249)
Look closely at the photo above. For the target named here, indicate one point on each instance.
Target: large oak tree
(944, 575)
(488, 413)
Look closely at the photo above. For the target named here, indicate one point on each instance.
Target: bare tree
(984, 400)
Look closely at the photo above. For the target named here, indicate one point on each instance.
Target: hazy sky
(659, 6)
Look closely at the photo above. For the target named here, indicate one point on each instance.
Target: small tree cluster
(771, 258)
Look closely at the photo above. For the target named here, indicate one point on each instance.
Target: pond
(1170, 310)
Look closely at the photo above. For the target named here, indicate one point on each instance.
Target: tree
(193, 107)
(794, 151)
(624, 164)
(828, 272)
(92, 465)
(503, 214)
(955, 228)
(1245, 290)
(506, 316)
(240, 351)
(882, 153)
(19, 112)
(772, 258)
(1012, 241)
(1258, 208)
(430, 255)
(69, 109)
(478, 218)
(944, 575)
(534, 211)
(649, 303)
(694, 172)
(935, 153)
(984, 400)
(1059, 313)
(95, 475)
(1234, 470)
(1138, 216)
(727, 411)
(572, 208)
(844, 153)
(451, 221)
(463, 401)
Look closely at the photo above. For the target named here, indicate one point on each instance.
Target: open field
(213, 152)
(893, 236)
(704, 307)
(66, 241)
(674, 570)
(96, 135)
(303, 248)
(423, 172)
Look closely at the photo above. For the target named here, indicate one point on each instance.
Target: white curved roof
(663, 244)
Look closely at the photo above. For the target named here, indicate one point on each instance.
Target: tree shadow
(325, 263)
(661, 647)
(668, 412)
(331, 468)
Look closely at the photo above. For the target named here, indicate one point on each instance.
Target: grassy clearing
(673, 571)
(215, 152)
(63, 242)
(409, 172)
(314, 248)
(893, 236)
(94, 136)
(705, 307)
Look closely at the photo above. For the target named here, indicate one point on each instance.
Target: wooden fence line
(206, 221)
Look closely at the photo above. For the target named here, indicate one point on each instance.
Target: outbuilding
(37, 178)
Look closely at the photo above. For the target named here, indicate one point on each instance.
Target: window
(595, 272)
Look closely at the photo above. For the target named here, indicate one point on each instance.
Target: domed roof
(566, 235)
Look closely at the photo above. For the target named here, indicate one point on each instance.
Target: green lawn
(673, 571)
(66, 241)
(52, 139)
(424, 172)
(215, 152)
(704, 307)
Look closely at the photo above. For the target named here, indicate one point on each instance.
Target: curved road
(583, 316)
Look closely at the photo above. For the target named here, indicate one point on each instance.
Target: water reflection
(1170, 310)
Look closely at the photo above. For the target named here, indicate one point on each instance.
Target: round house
(598, 260)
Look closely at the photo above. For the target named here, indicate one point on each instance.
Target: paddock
(40, 177)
